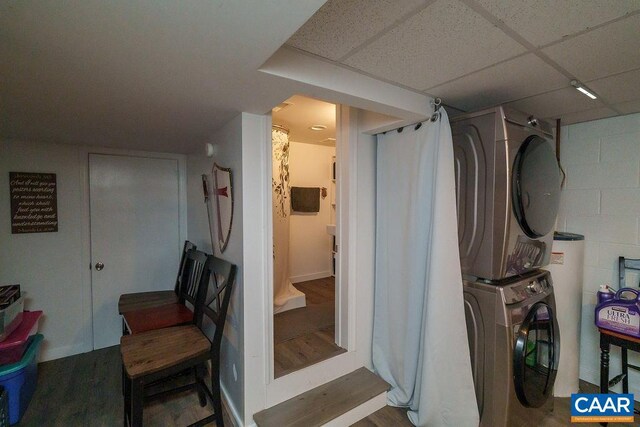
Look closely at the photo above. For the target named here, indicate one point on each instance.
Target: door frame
(83, 154)
(280, 389)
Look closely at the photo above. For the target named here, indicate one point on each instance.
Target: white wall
(309, 244)
(365, 239)
(228, 154)
(601, 200)
(257, 249)
(53, 268)
(48, 265)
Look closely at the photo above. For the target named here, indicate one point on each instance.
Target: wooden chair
(624, 342)
(623, 264)
(142, 300)
(175, 313)
(152, 356)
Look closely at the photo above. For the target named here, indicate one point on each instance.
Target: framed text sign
(34, 202)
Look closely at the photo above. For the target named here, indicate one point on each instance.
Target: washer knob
(532, 121)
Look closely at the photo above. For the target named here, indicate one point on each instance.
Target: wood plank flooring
(559, 417)
(324, 403)
(314, 343)
(306, 350)
(318, 291)
(85, 390)
(387, 416)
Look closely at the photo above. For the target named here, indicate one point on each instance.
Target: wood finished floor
(561, 415)
(313, 346)
(85, 390)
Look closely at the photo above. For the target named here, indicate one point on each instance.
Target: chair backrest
(623, 264)
(214, 300)
(194, 271)
(187, 247)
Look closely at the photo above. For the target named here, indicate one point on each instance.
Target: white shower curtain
(285, 295)
(419, 338)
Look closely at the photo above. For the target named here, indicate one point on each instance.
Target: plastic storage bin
(20, 379)
(11, 317)
(14, 346)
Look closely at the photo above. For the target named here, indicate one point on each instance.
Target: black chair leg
(126, 389)
(604, 367)
(125, 331)
(625, 371)
(123, 378)
(137, 402)
(200, 374)
(215, 390)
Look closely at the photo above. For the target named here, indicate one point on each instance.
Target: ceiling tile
(587, 115)
(341, 25)
(629, 107)
(611, 49)
(619, 88)
(444, 41)
(543, 22)
(556, 104)
(514, 79)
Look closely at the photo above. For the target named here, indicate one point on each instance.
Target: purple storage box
(621, 313)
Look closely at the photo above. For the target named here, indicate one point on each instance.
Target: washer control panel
(526, 288)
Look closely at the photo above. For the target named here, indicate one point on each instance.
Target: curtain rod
(436, 104)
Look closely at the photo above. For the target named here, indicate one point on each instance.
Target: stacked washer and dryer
(508, 192)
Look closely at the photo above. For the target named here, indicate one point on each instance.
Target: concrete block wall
(601, 199)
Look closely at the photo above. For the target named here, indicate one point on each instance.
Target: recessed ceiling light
(318, 127)
(281, 107)
(582, 88)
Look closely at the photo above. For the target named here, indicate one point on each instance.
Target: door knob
(99, 266)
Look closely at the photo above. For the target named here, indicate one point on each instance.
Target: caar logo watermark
(598, 408)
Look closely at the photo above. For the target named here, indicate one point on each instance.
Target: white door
(135, 234)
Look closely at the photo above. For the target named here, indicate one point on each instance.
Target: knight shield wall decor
(224, 203)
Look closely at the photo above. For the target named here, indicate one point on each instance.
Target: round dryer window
(536, 187)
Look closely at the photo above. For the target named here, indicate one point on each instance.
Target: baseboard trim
(54, 353)
(312, 276)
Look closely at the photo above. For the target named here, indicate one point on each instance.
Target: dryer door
(535, 356)
(536, 187)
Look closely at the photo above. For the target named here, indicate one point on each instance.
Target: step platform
(339, 402)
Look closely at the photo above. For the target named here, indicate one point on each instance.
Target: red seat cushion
(153, 318)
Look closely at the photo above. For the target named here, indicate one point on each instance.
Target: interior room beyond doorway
(304, 230)
(305, 336)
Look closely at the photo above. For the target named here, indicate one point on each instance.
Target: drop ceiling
(164, 76)
(480, 53)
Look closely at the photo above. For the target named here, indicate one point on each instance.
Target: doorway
(134, 231)
(304, 233)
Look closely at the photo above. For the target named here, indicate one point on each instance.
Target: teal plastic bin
(20, 380)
